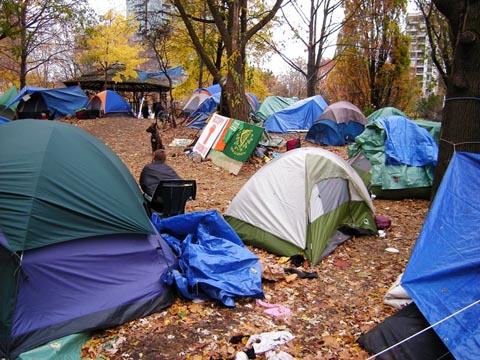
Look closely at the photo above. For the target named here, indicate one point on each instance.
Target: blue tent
(198, 97)
(200, 115)
(339, 124)
(198, 118)
(52, 103)
(299, 116)
(443, 273)
(110, 104)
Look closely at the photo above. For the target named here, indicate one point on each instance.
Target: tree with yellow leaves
(108, 47)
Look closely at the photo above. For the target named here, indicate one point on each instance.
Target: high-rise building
(420, 56)
(148, 12)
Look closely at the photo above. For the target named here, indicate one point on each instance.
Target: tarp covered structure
(443, 272)
(299, 116)
(338, 125)
(71, 217)
(302, 202)
(214, 262)
(109, 103)
(37, 103)
(395, 157)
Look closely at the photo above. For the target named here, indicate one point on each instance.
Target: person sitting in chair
(154, 172)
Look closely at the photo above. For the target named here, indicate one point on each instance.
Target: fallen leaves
(328, 312)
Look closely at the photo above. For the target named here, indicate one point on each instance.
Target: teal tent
(271, 105)
(95, 205)
(8, 112)
(384, 112)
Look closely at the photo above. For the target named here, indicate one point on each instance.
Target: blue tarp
(401, 133)
(299, 116)
(443, 273)
(214, 264)
(60, 101)
(173, 73)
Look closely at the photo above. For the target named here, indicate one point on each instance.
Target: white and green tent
(307, 200)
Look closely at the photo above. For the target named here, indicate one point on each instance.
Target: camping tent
(5, 99)
(198, 97)
(299, 116)
(384, 112)
(199, 117)
(443, 272)
(271, 105)
(338, 125)
(39, 103)
(299, 201)
(109, 103)
(71, 217)
(396, 158)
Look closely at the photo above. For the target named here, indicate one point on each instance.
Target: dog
(155, 138)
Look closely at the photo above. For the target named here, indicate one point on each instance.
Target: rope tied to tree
(463, 98)
(461, 143)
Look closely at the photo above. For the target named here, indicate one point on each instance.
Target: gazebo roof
(95, 81)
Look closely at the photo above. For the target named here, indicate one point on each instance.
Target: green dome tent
(302, 202)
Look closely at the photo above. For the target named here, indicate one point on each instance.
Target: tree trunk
(235, 96)
(461, 113)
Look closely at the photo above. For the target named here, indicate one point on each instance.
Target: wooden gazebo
(94, 82)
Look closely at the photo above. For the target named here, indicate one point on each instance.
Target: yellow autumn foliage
(110, 45)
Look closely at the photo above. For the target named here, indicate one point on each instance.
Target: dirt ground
(328, 313)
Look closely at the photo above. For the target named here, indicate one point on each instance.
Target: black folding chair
(171, 196)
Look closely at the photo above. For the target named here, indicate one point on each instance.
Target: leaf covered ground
(328, 313)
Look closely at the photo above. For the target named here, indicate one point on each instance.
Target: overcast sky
(102, 6)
